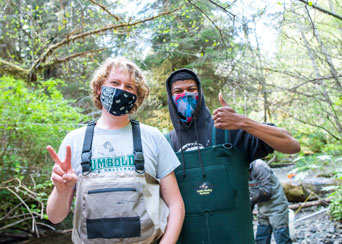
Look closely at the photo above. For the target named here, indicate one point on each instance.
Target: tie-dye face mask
(186, 103)
(116, 101)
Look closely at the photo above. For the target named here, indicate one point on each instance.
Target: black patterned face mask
(116, 101)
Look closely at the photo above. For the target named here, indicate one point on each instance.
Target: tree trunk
(319, 202)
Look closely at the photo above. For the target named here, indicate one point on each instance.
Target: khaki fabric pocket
(112, 209)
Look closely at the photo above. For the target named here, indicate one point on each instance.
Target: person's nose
(122, 87)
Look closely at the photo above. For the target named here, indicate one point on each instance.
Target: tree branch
(321, 9)
(73, 38)
(15, 223)
(66, 59)
(313, 125)
(13, 69)
(28, 209)
(224, 9)
(107, 11)
(220, 32)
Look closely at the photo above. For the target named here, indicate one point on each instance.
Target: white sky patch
(266, 31)
(133, 7)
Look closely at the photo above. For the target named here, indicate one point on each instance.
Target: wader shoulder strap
(137, 151)
(86, 150)
(137, 148)
(219, 136)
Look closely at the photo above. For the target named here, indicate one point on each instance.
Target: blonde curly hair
(134, 71)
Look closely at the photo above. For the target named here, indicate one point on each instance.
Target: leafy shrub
(31, 118)
(312, 140)
(334, 149)
(336, 205)
(328, 165)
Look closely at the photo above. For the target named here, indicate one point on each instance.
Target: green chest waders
(216, 195)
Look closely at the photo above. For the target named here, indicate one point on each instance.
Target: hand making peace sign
(63, 176)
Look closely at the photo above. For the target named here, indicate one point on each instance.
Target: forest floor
(314, 226)
(311, 226)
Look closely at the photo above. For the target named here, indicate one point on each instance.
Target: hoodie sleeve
(250, 146)
(262, 173)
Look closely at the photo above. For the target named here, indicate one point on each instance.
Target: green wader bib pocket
(201, 191)
(217, 209)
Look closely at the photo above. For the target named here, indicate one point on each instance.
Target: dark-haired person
(215, 152)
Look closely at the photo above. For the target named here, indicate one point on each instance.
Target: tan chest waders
(214, 185)
(118, 207)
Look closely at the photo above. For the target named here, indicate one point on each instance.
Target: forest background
(274, 61)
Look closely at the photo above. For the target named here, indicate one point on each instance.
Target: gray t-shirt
(112, 150)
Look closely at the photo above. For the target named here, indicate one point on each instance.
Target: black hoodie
(199, 131)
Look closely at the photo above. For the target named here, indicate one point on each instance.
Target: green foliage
(300, 60)
(336, 205)
(278, 157)
(334, 148)
(325, 165)
(187, 39)
(32, 118)
(28, 28)
(312, 140)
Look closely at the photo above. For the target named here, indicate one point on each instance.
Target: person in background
(111, 204)
(215, 151)
(267, 193)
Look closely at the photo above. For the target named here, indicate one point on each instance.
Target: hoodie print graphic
(186, 104)
(193, 146)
